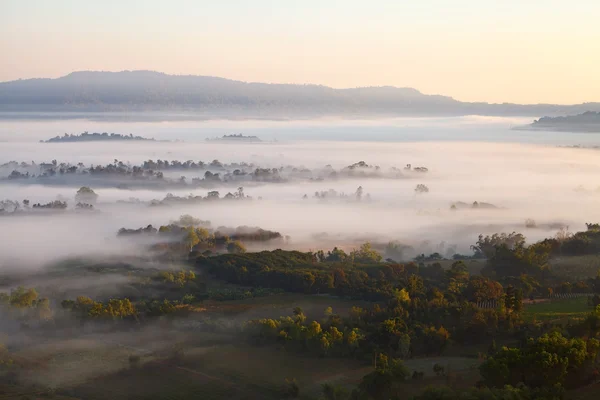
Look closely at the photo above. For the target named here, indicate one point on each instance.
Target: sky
(525, 51)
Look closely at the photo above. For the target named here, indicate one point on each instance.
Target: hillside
(588, 121)
(153, 91)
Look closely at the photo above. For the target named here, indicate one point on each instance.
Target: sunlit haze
(473, 50)
(311, 200)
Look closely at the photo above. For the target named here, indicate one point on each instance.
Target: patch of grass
(155, 381)
(589, 392)
(264, 369)
(557, 309)
(450, 364)
(574, 268)
(282, 305)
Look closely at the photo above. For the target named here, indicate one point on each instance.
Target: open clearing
(248, 372)
(557, 309)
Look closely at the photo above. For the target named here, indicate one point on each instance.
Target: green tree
(299, 316)
(236, 247)
(379, 384)
(334, 392)
(191, 238)
(366, 254)
(23, 298)
(86, 195)
(546, 361)
(292, 389)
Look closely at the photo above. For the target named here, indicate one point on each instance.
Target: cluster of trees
(295, 332)
(53, 205)
(90, 137)
(358, 336)
(460, 205)
(210, 196)
(162, 165)
(9, 206)
(358, 195)
(236, 137)
(85, 198)
(359, 274)
(86, 195)
(26, 305)
(85, 307)
(424, 306)
(179, 278)
(152, 172)
(539, 370)
(413, 310)
(421, 188)
(546, 361)
(189, 234)
(363, 255)
(527, 267)
(574, 244)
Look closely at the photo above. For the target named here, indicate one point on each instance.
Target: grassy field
(576, 268)
(238, 371)
(14, 392)
(283, 304)
(590, 392)
(557, 309)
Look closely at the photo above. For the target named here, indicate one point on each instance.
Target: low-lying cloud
(552, 186)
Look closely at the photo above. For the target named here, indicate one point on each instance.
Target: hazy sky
(489, 50)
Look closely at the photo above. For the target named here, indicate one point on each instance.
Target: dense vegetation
(390, 313)
(588, 121)
(151, 173)
(94, 137)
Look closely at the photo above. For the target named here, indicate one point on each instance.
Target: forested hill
(587, 122)
(154, 91)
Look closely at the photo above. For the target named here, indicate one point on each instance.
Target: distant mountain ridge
(155, 91)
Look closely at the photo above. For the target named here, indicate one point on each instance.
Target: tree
(435, 340)
(379, 384)
(334, 392)
(23, 298)
(213, 195)
(86, 195)
(366, 254)
(458, 271)
(402, 296)
(292, 389)
(236, 247)
(420, 188)
(483, 289)
(486, 246)
(203, 234)
(299, 315)
(359, 193)
(188, 220)
(336, 254)
(438, 369)
(191, 238)
(395, 250)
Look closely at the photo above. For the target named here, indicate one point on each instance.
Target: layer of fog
(471, 128)
(547, 184)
